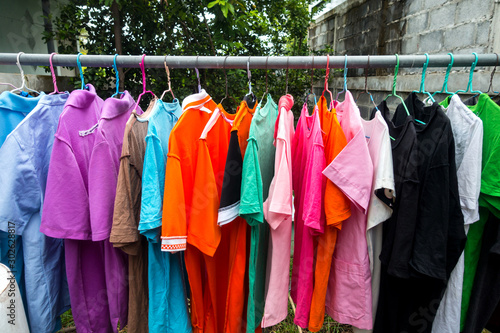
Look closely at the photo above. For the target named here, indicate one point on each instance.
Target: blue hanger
(84, 86)
(471, 74)
(345, 79)
(117, 79)
(422, 85)
(393, 92)
(445, 84)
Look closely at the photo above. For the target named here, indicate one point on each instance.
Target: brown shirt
(124, 232)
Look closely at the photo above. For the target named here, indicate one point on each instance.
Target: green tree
(189, 27)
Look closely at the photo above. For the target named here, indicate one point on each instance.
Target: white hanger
(23, 81)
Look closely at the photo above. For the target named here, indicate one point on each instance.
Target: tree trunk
(117, 30)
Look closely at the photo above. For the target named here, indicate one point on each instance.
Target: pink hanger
(326, 80)
(56, 91)
(144, 91)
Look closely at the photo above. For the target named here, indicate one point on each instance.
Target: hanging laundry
(258, 172)
(337, 209)
(278, 210)
(381, 200)
(481, 290)
(468, 133)
(126, 214)
(167, 295)
(96, 271)
(349, 298)
(228, 213)
(24, 159)
(193, 183)
(437, 234)
(308, 162)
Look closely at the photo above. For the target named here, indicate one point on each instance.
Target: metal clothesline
(272, 62)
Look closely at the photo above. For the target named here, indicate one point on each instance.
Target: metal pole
(295, 62)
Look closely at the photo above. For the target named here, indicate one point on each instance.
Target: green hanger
(445, 84)
(393, 93)
(471, 75)
(422, 85)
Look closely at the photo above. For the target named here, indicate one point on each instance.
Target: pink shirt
(308, 160)
(278, 210)
(105, 163)
(66, 212)
(349, 298)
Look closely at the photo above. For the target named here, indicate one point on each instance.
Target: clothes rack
(271, 62)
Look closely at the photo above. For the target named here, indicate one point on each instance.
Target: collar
(18, 103)
(172, 108)
(56, 99)
(201, 101)
(418, 110)
(82, 98)
(114, 107)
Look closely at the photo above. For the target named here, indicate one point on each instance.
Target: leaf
(213, 3)
(224, 11)
(231, 8)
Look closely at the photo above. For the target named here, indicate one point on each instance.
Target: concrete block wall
(409, 27)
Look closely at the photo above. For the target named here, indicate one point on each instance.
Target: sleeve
(314, 185)
(174, 222)
(469, 176)
(352, 171)
(251, 186)
(231, 185)
(65, 208)
(102, 191)
(456, 231)
(20, 195)
(381, 204)
(278, 206)
(124, 228)
(153, 181)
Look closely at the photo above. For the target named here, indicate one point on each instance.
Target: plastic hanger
(393, 92)
(227, 94)
(52, 71)
(444, 89)
(144, 91)
(168, 80)
(422, 81)
(250, 98)
(326, 81)
(366, 87)
(79, 64)
(312, 86)
(471, 75)
(23, 81)
(198, 75)
(118, 92)
(491, 78)
(266, 83)
(344, 89)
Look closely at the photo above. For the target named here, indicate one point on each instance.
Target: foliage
(191, 27)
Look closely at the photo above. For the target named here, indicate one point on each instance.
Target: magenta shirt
(66, 211)
(105, 163)
(308, 161)
(349, 295)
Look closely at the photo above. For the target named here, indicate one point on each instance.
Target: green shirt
(258, 171)
(489, 200)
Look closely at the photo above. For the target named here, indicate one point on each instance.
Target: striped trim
(228, 214)
(173, 244)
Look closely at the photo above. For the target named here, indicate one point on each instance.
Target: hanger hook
(267, 59)
(286, 79)
(345, 73)
(52, 71)
(18, 63)
(117, 75)
(366, 75)
(225, 75)
(396, 70)
(471, 74)
(79, 64)
(424, 70)
(141, 65)
(249, 74)
(198, 75)
(327, 72)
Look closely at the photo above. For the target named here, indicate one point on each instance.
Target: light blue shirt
(168, 311)
(24, 161)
